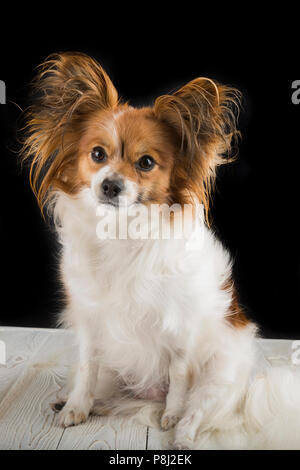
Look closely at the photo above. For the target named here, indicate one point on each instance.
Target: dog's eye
(98, 154)
(145, 163)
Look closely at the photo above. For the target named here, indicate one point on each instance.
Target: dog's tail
(272, 409)
(269, 418)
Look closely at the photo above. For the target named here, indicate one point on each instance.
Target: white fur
(146, 312)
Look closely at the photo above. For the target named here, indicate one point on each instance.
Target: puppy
(157, 317)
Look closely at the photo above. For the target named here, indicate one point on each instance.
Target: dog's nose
(112, 188)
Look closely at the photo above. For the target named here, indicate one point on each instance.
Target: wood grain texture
(105, 433)
(35, 375)
(159, 440)
(26, 420)
(21, 345)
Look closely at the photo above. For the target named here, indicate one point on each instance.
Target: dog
(153, 317)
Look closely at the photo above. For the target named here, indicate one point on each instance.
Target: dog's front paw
(186, 431)
(168, 420)
(73, 413)
(186, 444)
(183, 438)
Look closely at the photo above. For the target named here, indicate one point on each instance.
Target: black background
(256, 203)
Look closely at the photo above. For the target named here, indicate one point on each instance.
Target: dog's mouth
(110, 203)
(121, 204)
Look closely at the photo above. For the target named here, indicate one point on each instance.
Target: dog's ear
(73, 83)
(67, 89)
(203, 115)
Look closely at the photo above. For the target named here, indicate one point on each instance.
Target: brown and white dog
(152, 316)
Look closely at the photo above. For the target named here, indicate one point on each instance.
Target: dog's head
(80, 135)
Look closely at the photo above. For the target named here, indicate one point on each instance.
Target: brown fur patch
(190, 377)
(235, 315)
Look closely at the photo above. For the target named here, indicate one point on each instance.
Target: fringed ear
(203, 115)
(68, 88)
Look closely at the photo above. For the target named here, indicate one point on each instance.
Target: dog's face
(81, 136)
(126, 156)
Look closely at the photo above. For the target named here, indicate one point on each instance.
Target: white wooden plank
(159, 440)
(21, 344)
(26, 420)
(105, 433)
(277, 352)
(37, 364)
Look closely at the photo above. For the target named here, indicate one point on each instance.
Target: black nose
(112, 188)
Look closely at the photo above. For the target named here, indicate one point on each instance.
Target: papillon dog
(153, 317)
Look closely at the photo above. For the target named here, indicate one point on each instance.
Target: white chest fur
(144, 299)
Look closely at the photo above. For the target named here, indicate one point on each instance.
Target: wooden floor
(34, 374)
